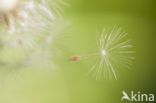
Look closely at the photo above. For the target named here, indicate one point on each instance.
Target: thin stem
(76, 58)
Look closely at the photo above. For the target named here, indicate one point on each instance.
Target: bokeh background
(60, 81)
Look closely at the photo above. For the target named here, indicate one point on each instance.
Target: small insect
(8, 7)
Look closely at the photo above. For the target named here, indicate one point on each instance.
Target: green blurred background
(68, 82)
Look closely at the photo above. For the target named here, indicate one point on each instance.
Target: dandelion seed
(75, 58)
(115, 53)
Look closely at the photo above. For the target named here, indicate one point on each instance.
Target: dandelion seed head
(35, 27)
(8, 5)
(37, 22)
